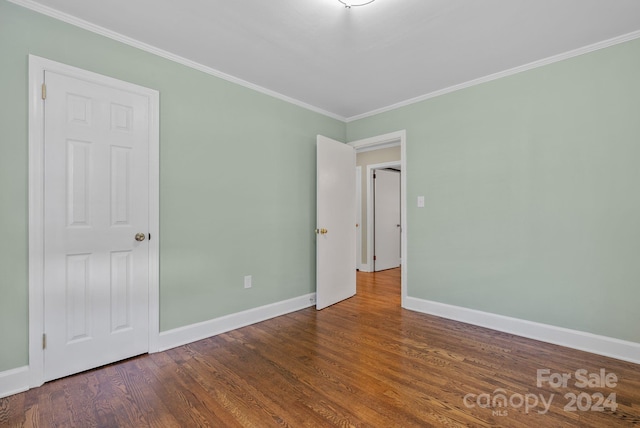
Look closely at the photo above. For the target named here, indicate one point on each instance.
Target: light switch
(420, 201)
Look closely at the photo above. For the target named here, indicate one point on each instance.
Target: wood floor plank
(364, 362)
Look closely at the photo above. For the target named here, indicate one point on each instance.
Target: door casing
(358, 217)
(37, 67)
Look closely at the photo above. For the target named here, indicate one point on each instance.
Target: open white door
(387, 220)
(336, 232)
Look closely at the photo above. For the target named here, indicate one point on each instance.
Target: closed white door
(96, 278)
(386, 219)
(336, 231)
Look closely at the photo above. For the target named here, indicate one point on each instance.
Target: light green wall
(531, 186)
(532, 207)
(237, 180)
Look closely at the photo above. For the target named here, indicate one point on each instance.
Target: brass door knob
(321, 231)
(140, 237)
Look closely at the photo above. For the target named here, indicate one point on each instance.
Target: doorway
(393, 139)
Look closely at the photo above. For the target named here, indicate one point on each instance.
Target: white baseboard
(191, 333)
(14, 381)
(17, 380)
(601, 345)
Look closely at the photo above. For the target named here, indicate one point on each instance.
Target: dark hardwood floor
(362, 362)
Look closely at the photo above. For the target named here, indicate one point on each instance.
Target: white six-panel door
(96, 187)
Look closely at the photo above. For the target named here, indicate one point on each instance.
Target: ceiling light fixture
(348, 3)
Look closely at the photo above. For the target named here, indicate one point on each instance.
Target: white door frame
(359, 217)
(398, 138)
(37, 67)
(371, 210)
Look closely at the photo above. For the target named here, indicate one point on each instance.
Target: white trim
(359, 217)
(154, 220)
(37, 67)
(505, 73)
(389, 140)
(85, 25)
(194, 332)
(370, 209)
(588, 342)
(36, 223)
(14, 381)
(394, 143)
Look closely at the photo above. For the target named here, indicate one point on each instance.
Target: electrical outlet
(247, 281)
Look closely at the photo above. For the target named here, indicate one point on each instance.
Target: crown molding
(70, 19)
(85, 25)
(530, 66)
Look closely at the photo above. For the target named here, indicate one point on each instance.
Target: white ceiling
(350, 62)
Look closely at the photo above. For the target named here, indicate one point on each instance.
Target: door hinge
(44, 341)
(44, 91)
(375, 258)
(374, 176)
